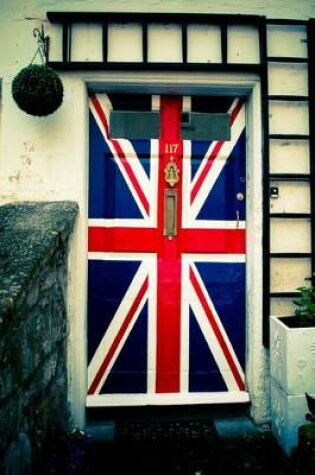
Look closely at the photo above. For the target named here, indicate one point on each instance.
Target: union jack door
(166, 257)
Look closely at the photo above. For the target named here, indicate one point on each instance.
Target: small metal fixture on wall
(37, 89)
(43, 42)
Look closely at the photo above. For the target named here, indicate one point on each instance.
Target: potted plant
(292, 344)
(292, 366)
(305, 310)
(37, 90)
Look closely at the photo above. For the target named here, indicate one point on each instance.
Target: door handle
(237, 218)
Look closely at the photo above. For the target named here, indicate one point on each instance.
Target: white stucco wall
(46, 158)
(54, 165)
(29, 151)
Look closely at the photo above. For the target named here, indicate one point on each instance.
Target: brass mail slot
(170, 210)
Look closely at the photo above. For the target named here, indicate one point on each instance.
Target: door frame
(257, 373)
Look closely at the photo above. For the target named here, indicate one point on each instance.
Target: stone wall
(34, 241)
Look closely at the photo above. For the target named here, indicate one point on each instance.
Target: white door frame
(257, 368)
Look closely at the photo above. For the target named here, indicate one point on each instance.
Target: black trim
(311, 81)
(105, 41)
(287, 59)
(291, 215)
(123, 17)
(224, 43)
(182, 19)
(66, 42)
(140, 66)
(268, 178)
(289, 176)
(290, 255)
(184, 42)
(289, 136)
(288, 22)
(265, 167)
(288, 98)
(279, 295)
(145, 42)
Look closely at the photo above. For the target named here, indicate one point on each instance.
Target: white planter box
(292, 370)
(287, 414)
(292, 357)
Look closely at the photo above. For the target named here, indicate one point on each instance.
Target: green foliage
(305, 306)
(307, 431)
(37, 90)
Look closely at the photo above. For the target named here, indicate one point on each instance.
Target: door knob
(240, 196)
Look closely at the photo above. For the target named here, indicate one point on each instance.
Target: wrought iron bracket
(43, 43)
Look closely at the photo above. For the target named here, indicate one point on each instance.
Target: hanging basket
(37, 90)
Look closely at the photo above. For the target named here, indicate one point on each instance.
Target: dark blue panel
(204, 374)
(222, 203)
(198, 150)
(108, 282)
(97, 174)
(143, 151)
(128, 374)
(225, 283)
(146, 163)
(109, 195)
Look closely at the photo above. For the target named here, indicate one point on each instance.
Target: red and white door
(166, 260)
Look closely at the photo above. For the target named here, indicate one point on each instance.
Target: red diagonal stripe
(216, 150)
(205, 170)
(99, 110)
(216, 329)
(121, 155)
(132, 177)
(236, 110)
(106, 361)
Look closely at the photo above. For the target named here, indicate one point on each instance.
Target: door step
(238, 427)
(142, 429)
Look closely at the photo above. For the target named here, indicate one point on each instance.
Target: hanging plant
(37, 89)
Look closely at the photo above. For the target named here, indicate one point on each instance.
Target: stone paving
(189, 447)
(174, 446)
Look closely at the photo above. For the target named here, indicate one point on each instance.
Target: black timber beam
(311, 79)
(122, 66)
(122, 17)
